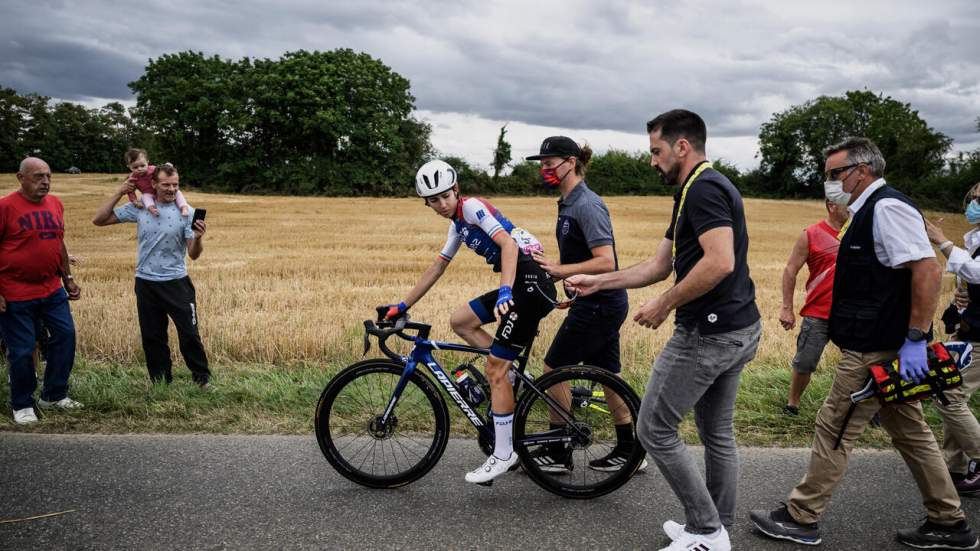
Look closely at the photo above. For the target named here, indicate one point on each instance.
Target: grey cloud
(574, 64)
(63, 69)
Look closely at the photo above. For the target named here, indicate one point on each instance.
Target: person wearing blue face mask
(886, 289)
(961, 430)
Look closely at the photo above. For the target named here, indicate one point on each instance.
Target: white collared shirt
(899, 230)
(961, 261)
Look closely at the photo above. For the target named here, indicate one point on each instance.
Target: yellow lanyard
(847, 224)
(687, 185)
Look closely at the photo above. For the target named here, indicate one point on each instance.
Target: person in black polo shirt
(590, 332)
(886, 288)
(716, 329)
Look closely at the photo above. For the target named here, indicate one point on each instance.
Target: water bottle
(469, 388)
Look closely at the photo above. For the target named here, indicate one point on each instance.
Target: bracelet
(945, 244)
(69, 276)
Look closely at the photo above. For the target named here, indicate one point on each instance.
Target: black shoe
(936, 536)
(553, 461)
(968, 485)
(793, 411)
(614, 460)
(779, 524)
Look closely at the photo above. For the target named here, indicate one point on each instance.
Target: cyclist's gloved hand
(395, 310)
(912, 362)
(505, 299)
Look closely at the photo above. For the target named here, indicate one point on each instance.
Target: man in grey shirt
(163, 287)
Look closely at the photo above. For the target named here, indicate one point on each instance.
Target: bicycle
(383, 423)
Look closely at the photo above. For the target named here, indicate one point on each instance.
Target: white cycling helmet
(434, 177)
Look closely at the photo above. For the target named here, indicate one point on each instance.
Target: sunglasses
(835, 173)
(558, 304)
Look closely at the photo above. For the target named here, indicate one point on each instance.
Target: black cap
(557, 146)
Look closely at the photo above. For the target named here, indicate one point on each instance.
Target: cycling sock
(503, 430)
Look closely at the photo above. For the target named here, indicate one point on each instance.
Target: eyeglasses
(834, 173)
(558, 304)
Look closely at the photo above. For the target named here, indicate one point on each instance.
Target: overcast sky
(596, 71)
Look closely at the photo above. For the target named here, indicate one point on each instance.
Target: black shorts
(589, 335)
(531, 289)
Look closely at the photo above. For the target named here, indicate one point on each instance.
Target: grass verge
(280, 399)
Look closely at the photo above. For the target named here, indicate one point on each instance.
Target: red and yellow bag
(891, 389)
(886, 383)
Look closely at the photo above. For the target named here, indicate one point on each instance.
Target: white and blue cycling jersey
(475, 223)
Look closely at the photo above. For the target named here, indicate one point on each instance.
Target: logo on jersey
(565, 227)
(481, 214)
(712, 318)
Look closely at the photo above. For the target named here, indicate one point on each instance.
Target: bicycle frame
(421, 354)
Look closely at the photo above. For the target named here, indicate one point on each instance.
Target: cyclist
(590, 332)
(526, 295)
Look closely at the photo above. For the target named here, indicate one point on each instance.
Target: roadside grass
(280, 399)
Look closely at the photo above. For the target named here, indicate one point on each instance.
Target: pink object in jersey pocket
(526, 241)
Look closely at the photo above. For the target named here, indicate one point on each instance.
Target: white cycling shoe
(687, 541)
(491, 469)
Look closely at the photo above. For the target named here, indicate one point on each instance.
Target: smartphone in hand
(199, 214)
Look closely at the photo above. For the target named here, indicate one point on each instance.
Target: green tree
(501, 153)
(37, 136)
(622, 172)
(12, 122)
(335, 122)
(184, 99)
(791, 144)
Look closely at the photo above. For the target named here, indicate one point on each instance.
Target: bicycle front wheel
(575, 432)
(366, 450)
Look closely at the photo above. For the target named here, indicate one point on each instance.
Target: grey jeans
(699, 372)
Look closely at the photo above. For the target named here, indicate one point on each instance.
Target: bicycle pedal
(487, 483)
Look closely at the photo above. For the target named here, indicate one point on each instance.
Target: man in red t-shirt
(817, 248)
(36, 285)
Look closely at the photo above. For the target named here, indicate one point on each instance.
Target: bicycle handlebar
(385, 328)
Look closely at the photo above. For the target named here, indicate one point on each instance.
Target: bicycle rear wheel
(599, 400)
(367, 451)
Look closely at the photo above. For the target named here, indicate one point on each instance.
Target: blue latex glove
(504, 296)
(395, 310)
(912, 362)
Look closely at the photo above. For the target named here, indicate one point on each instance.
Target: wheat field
(285, 280)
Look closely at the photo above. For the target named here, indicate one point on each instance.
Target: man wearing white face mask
(886, 289)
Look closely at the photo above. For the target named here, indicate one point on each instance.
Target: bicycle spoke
(364, 445)
(586, 404)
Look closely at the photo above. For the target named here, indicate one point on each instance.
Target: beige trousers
(905, 424)
(961, 431)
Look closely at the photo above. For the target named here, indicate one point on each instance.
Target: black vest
(970, 318)
(872, 302)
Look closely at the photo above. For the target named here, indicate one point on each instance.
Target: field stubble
(286, 282)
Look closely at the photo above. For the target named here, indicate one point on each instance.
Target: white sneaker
(64, 403)
(491, 469)
(700, 542)
(25, 416)
(673, 529)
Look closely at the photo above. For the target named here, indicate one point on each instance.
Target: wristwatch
(916, 335)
